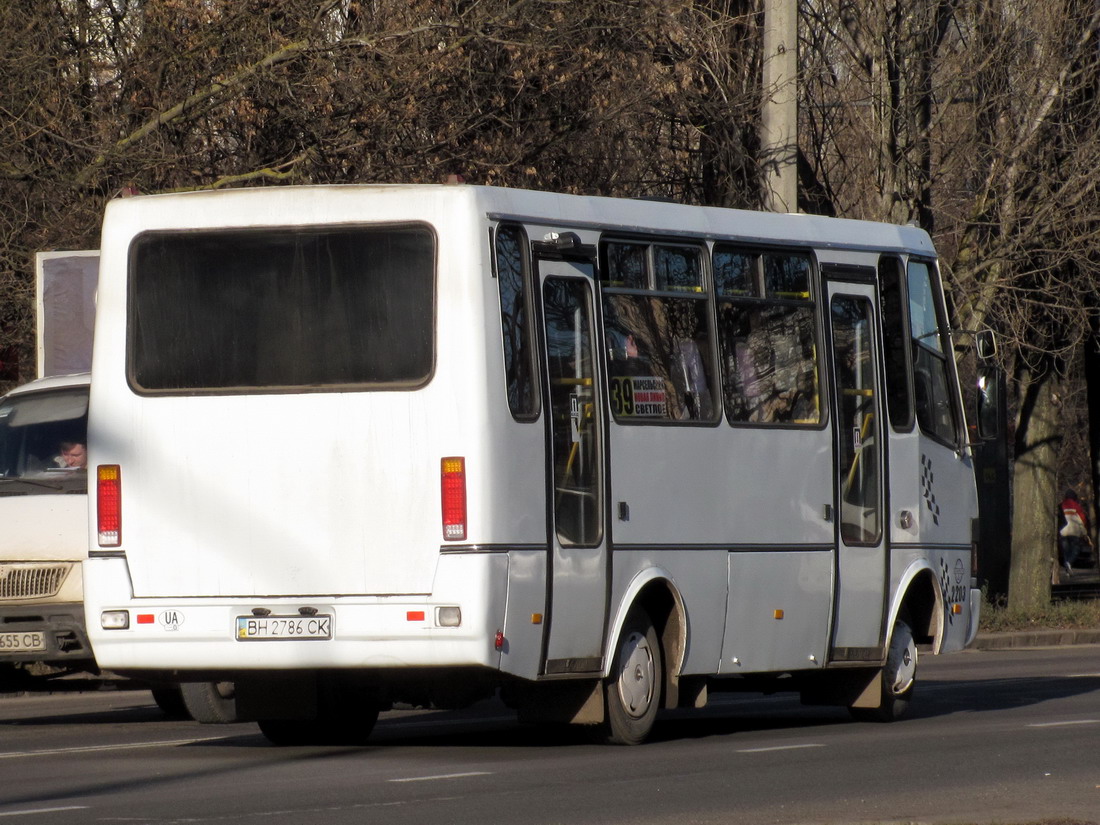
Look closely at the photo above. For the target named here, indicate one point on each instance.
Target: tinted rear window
(277, 309)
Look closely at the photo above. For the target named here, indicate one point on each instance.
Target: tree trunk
(1034, 551)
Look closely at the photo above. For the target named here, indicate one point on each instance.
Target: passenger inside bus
(673, 385)
(693, 383)
(624, 357)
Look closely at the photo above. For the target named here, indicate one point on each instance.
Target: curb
(1036, 638)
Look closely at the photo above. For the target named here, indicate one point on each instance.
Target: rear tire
(895, 680)
(353, 728)
(212, 703)
(170, 700)
(288, 732)
(633, 690)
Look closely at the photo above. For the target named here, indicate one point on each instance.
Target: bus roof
(269, 206)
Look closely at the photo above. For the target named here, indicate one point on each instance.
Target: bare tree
(978, 120)
(629, 97)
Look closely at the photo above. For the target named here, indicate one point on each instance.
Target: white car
(44, 542)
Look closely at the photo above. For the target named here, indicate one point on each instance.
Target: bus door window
(768, 337)
(657, 329)
(578, 497)
(857, 459)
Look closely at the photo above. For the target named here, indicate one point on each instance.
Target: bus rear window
(282, 309)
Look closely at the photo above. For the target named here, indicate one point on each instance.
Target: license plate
(26, 640)
(263, 628)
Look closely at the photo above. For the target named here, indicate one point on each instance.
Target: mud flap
(845, 688)
(578, 703)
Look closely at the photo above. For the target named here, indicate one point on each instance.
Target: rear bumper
(366, 632)
(60, 626)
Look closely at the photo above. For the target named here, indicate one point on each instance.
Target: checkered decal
(945, 585)
(926, 488)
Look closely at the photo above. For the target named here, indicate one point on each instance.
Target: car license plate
(21, 641)
(264, 628)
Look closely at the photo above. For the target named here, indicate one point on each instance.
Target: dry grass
(1060, 615)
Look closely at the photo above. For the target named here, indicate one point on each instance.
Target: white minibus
(358, 445)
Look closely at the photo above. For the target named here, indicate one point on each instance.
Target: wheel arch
(653, 590)
(920, 601)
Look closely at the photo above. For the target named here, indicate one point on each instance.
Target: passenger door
(859, 497)
(577, 575)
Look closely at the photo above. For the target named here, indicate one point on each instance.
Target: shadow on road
(492, 724)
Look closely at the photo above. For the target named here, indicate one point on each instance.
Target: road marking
(122, 747)
(442, 776)
(1084, 676)
(1063, 724)
(30, 811)
(781, 748)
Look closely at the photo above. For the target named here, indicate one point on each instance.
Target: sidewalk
(1080, 583)
(1036, 638)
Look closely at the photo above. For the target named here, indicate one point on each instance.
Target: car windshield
(43, 440)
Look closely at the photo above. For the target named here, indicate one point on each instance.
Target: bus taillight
(109, 504)
(453, 481)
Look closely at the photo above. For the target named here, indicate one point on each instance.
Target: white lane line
(1063, 724)
(442, 776)
(781, 748)
(29, 811)
(1084, 676)
(97, 748)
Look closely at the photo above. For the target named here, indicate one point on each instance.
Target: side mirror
(986, 344)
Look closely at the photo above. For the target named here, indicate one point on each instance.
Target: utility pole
(779, 122)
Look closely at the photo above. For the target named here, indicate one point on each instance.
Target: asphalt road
(994, 736)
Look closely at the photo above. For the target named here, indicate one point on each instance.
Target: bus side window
(515, 319)
(936, 412)
(768, 337)
(656, 313)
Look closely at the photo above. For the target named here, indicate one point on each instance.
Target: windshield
(43, 442)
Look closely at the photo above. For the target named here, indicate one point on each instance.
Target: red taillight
(109, 504)
(453, 481)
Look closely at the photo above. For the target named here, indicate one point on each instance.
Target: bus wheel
(336, 729)
(212, 703)
(896, 679)
(349, 725)
(633, 691)
(170, 701)
(289, 731)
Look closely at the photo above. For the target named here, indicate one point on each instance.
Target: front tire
(896, 679)
(633, 690)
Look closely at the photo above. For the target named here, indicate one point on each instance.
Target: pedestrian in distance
(1073, 533)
